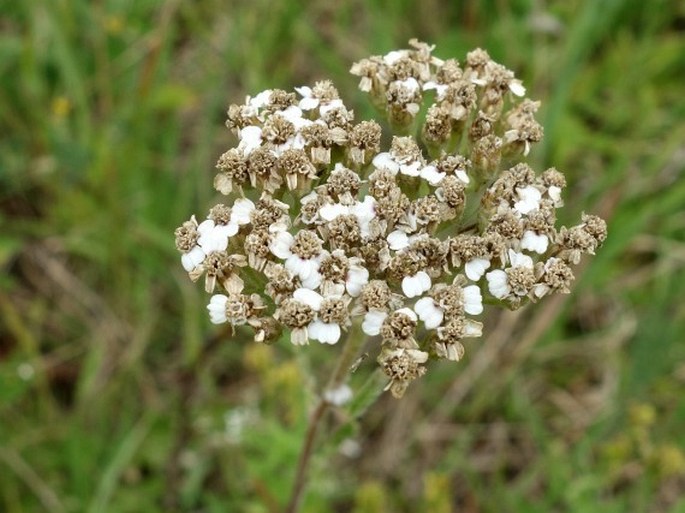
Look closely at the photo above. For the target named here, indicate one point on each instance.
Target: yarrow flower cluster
(323, 229)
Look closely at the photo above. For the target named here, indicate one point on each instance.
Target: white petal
(385, 161)
(411, 169)
(331, 105)
(519, 259)
(432, 175)
(392, 57)
(364, 210)
(192, 258)
(516, 87)
(308, 297)
(214, 240)
(373, 320)
(497, 283)
(308, 103)
(356, 279)
(410, 84)
(326, 333)
(430, 313)
(476, 268)
(529, 199)
(280, 245)
(534, 242)
(250, 138)
(205, 227)
(424, 280)
(473, 301)
(305, 91)
(462, 176)
(262, 99)
(312, 281)
(217, 309)
(554, 192)
(241, 210)
(331, 211)
(409, 313)
(398, 240)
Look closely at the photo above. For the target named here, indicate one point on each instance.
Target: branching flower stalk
(322, 229)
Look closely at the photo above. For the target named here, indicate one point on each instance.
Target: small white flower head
(520, 270)
(331, 312)
(214, 237)
(302, 254)
(415, 285)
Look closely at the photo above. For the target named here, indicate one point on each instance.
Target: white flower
(475, 269)
(529, 199)
(214, 237)
(473, 301)
(429, 312)
(307, 269)
(250, 139)
(217, 309)
(534, 242)
(373, 320)
(416, 285)
(324, 332)
(497, 283)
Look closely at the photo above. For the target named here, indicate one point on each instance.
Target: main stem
(353, 342)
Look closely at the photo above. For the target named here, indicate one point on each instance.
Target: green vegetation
(117, 395)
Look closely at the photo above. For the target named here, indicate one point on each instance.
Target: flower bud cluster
(321, 230)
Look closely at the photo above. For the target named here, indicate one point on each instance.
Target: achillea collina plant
(323, 229)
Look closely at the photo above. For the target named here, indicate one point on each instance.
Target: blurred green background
(116, 394)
